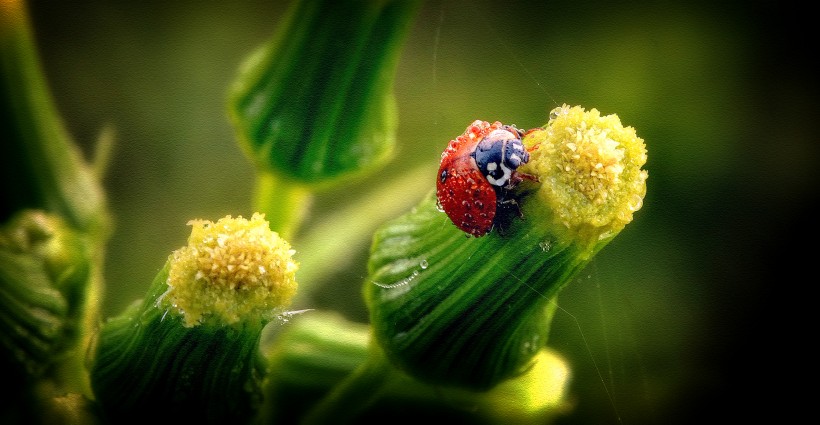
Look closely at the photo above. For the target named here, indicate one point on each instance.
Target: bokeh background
(687, 315)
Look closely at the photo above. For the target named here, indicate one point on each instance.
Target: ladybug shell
(462, 191)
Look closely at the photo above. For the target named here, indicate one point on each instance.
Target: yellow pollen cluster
(590, 169)
(590, 162)
(230, 271)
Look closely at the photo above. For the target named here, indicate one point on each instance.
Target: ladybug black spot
(443, 175)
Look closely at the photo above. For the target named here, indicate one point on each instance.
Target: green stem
(356, 393)
(43, 170)
(40, 165)
(282, 201)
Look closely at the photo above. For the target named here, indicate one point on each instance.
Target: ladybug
(477, 170)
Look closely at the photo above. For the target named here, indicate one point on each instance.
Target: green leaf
(315, 103)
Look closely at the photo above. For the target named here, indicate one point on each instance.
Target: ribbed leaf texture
(316, 102)
(149, 367)
(44, 272)
(466, 312)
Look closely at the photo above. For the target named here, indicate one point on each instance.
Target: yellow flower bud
(590, 171)
(230, 270)
(192, 345)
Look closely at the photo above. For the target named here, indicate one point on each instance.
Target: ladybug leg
(518, 177)
(526, 132)
(530, 177)
(507, 210)
(508, 204)
(512, 204)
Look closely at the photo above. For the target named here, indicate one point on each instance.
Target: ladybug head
(498, 156)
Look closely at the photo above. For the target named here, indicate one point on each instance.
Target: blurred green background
(680, 318)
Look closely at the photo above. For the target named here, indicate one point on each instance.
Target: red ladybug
(477, 170)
